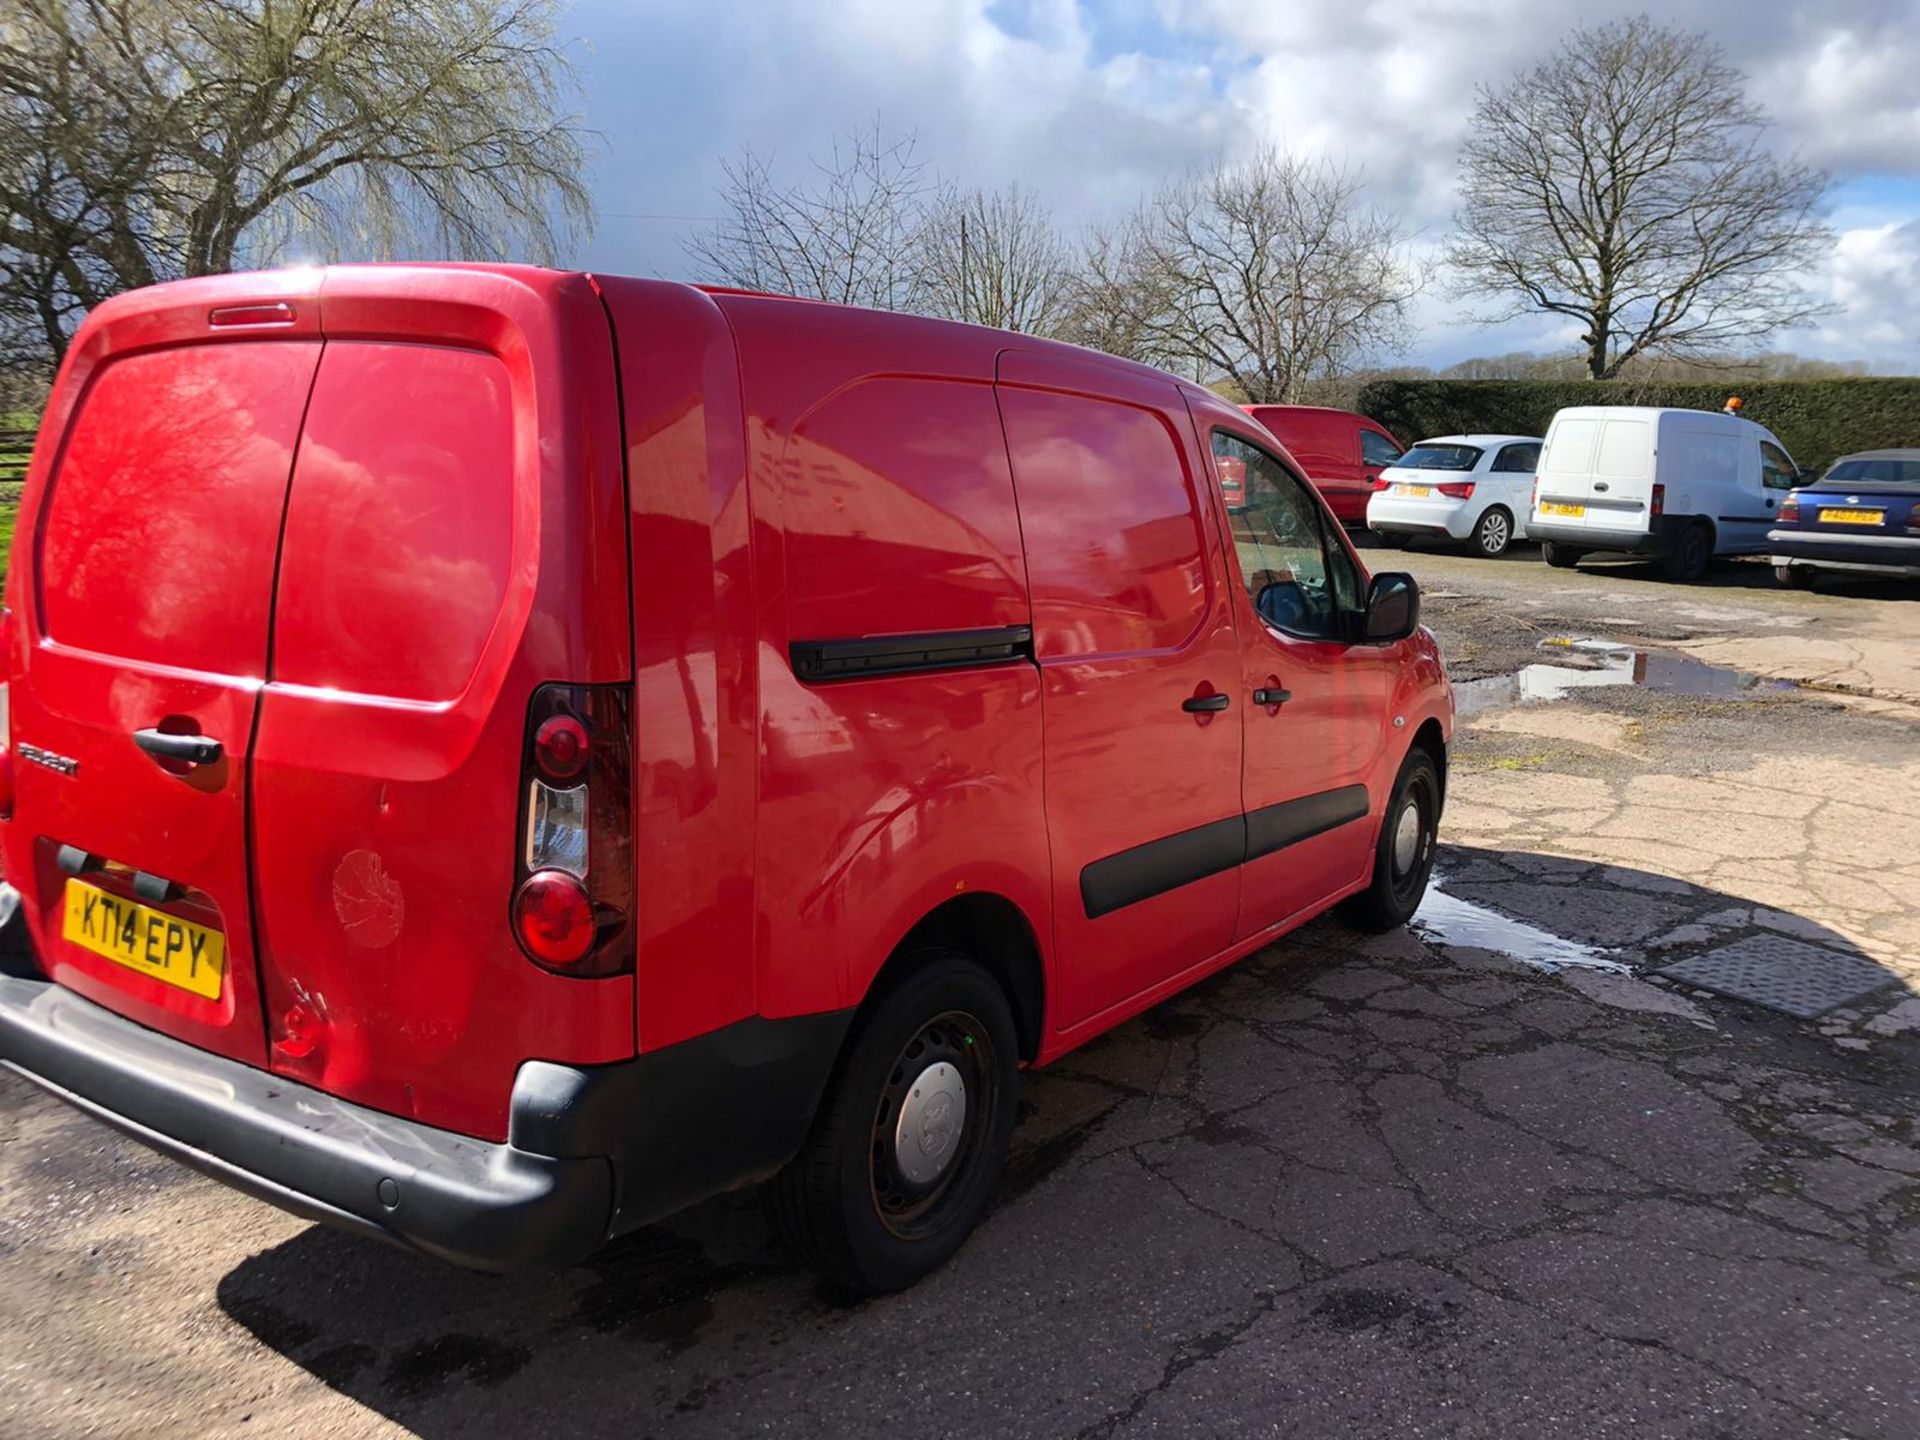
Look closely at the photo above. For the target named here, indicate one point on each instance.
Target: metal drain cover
(1782, 974)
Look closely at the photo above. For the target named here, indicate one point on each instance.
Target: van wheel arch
(1430, 738)
(991, 930)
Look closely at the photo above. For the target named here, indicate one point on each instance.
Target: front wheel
(1403, 858)
(1794, 577)
(912, 1134)
(1494, 533)
(1393, 539)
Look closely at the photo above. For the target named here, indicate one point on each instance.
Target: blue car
(1863, 515)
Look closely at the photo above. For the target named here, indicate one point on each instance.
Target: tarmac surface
(1415, 1185)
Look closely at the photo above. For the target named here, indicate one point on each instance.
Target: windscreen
(1439, 457)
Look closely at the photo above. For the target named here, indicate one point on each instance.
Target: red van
(497, 756)
(1342, 453)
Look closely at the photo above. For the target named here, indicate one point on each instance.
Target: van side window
(1377, 449)
(1298, 578)
(1777, 472)
(1110, 522)
(1518, 459)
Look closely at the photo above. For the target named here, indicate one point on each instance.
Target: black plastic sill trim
(816, 660)
(1180, 859)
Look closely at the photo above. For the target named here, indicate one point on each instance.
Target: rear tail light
(1533, 499)
(575, 873)
(1790, 509)
(1659, 506)
(1380, 482)
(1457, 490)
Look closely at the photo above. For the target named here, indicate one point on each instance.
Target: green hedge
(1816, 420)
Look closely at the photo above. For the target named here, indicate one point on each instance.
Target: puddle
(1603, 663)
(1452, 921)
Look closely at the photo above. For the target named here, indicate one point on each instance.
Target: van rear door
(1565, 495)
(455, 540)
(144, 599)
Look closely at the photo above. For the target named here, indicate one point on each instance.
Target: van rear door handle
(190, 749)
(1599, 485)
(1204, 704)
(1266, 696)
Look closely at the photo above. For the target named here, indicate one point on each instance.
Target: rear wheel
(912, 1134)
(1692, 551)
(1494, 532)
(1794, 577)
(1560, 555)
(1403, 858)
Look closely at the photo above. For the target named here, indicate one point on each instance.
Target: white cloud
(1090, 103)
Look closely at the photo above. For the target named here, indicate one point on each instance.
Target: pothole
(1589, 663)
(1449, 920)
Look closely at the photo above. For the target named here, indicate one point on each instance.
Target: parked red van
(1342, 453)
(497, 755)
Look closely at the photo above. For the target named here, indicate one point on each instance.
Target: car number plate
(174, 951)
(1554, 507)
(1851, 517)
(1419, 492)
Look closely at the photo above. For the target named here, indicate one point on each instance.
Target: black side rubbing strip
(1161, 865)
(1275, 827)
(905, 654)
(1175, 860)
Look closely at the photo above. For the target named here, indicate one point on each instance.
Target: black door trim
(816, 660)
(1189, 855)
(1275, 827)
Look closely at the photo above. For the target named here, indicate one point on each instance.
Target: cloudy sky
(1091, 102)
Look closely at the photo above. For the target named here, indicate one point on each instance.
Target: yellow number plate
(174, 951)
(1417, 491)
(1554, 507)
(1851, 517)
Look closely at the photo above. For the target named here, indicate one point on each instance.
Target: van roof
(1310, 410)
(1655, 413)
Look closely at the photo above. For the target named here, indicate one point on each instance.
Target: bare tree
(1624, 184)
(142, 140)
(1264, 274)
(850, 234)
(993, 257)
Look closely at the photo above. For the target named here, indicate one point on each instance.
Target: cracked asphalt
(1397, 1186)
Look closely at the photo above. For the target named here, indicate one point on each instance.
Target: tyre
(1494, 533)
(1393, 540)
(1557, 554)
(1403, 858)
(911, 1135)
(1692, 552)
(1794, 577)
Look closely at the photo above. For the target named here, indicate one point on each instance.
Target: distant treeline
(1817, 420)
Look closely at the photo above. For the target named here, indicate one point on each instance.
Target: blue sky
(1090, 104)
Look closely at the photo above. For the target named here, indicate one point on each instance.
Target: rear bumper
(1655, 542)
(591, 1152)
(1414, 518)
(1887, 554)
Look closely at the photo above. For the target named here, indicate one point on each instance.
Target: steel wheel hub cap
(927, 1135)
(1406, 838)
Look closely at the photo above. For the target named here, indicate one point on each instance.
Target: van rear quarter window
(400, 525)
(158, 538)
(1112, 531)
(1625, 450)
(897, 525)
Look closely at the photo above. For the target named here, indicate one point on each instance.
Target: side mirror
(1393, 608)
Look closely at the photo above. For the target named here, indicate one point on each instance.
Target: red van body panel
(910, 627)
(1327, 445)
(881, 431)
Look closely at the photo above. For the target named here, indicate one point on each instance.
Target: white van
(1678, 485)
